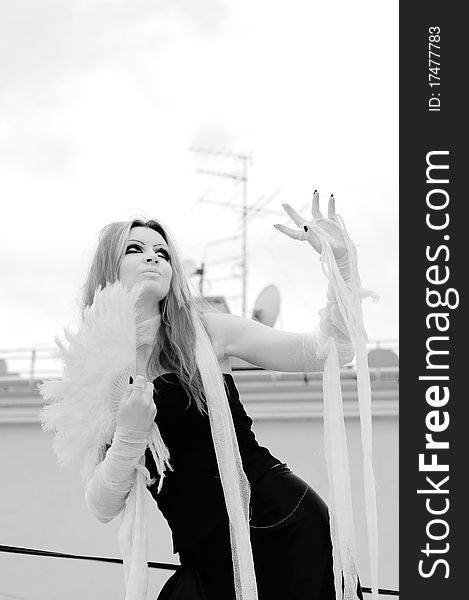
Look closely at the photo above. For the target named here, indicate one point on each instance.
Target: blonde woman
(288, 521)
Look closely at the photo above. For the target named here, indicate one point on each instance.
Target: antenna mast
(243, 178)
(247, 212)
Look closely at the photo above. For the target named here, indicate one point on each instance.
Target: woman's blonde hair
(174, 345)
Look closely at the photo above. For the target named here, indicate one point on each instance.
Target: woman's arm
(256, 343)
(270, 348)
(107, 490)
(277, 350)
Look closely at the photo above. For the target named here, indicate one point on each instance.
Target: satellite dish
(382, 357)
(267, 306)
(190, 268)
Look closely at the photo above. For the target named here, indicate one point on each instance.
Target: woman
(288, 521)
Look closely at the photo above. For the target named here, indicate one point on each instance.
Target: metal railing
(29, 365)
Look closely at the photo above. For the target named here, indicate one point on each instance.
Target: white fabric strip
(119, 482)
(340, 495)
(133, 539)
(235, 484)
(348, 298)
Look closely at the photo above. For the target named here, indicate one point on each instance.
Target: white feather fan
(98, 361)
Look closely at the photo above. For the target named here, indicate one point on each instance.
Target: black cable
(381, 591)
(32, 551)
(151, 564)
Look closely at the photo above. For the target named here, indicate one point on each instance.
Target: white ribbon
(348, 298)
(234, 481)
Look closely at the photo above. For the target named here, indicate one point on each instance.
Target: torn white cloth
(342, 325)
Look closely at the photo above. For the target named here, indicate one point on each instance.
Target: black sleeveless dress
(289, 522)
(191, 498)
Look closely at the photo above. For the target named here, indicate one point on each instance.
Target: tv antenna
(191, 269)
(246, 211)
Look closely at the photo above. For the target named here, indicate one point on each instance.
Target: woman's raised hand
(137, 410)
(307, 228)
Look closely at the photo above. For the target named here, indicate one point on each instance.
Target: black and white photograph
(199, 324)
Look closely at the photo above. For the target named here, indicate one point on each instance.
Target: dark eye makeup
(133, 247)
(164, 252)
(136, 247)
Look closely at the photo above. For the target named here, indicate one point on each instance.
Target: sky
(102, 104)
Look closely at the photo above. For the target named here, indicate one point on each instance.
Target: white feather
(98, 361)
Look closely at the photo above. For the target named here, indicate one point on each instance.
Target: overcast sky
(100, 102)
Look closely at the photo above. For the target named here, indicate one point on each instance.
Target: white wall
(42, 506)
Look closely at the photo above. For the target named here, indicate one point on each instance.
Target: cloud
(42, 42)
(43, 154)
(214, 133)
(51, 49)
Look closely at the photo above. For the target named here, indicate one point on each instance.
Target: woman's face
(146, 261)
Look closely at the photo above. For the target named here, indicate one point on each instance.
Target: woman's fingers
(291, 212)
(301, 235)
(315, 210)
(293, 233)
(307, 228)
(141, 391)
(148, 391)
(317, 214)
(331, 207)
(138, 411)
(149, 400)
(139, 382)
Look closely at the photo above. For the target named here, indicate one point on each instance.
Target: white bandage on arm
(331, 322)
(107, 490)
